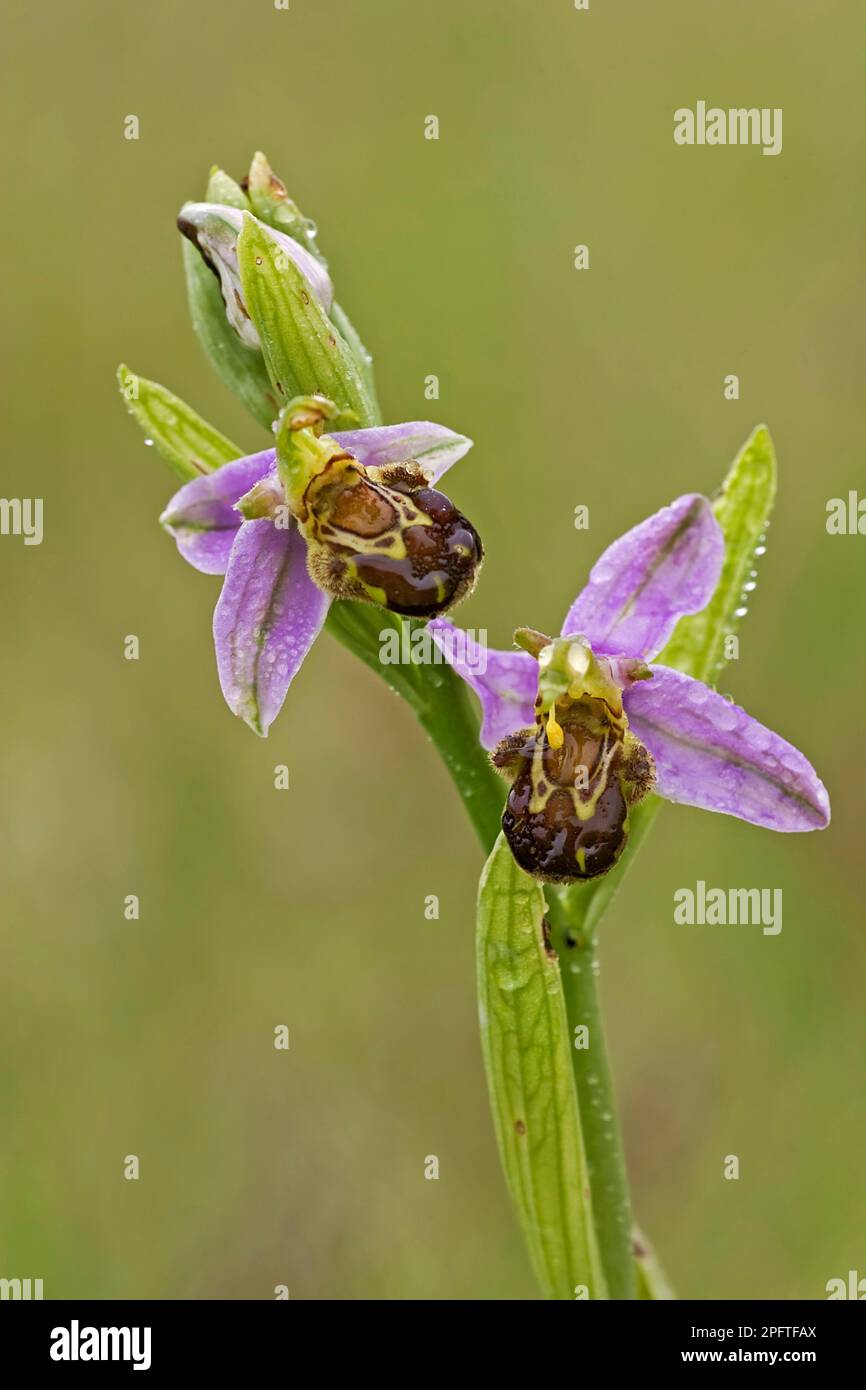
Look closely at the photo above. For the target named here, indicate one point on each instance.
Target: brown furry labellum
(386, 536)
(566, 817)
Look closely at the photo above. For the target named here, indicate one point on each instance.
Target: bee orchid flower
(588, 723)
(354, 514)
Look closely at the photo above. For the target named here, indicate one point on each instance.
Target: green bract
(302, 349)
(268, 198)
(187, 442)
(742, 509)
(222, 188)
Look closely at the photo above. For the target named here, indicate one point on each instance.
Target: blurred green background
(305, 907)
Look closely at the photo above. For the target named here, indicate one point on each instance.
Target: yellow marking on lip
(584, 799)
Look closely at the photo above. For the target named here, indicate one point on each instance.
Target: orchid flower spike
(607, 724)
(353, 514)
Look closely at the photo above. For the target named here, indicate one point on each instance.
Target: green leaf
(742, 508)
(187, 442)
(652, 1282)
(527, 1054)
(240, 368)
(304, 352)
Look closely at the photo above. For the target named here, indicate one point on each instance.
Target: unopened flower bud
(214, 228)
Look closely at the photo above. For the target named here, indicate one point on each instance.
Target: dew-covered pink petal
(201, 516)
(710, 753)
(434, 447)
(667, 566)
(268, 616)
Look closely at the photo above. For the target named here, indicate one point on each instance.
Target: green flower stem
(611, 1204)
(574, 914)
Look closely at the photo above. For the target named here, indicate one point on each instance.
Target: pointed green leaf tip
(187, 442)
(270, 201)
(742, 508)
(304, 352)
(526, 1044)
(222, 188)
